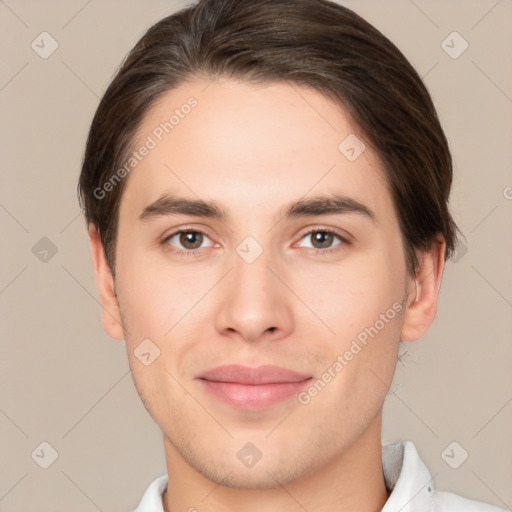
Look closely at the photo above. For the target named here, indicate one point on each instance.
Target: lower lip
(253, 397)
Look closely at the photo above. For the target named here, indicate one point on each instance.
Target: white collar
(405, 474)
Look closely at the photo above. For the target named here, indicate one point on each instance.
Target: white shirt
(406, 476)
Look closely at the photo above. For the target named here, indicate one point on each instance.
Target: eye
(189, 240)
(323, 239)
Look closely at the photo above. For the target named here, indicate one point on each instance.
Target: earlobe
(423, 293)
(110, 315)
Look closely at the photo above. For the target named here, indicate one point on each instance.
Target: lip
(252, 388)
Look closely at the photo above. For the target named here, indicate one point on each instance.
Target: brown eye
(191, 239)
(188, 241)
(322, 239)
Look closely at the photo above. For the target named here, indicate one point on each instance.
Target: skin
(255, 149)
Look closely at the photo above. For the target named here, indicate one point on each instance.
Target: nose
(255, 304)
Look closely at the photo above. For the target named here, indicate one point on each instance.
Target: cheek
(149, 296)
(361, 303)
(152, 304)
(349, 298)
(168, 305)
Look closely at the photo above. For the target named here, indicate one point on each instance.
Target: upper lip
(265, 374)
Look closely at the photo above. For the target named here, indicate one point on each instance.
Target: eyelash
(194, 252)
(335, 248)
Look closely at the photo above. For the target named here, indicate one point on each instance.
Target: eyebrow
(173, 205)
(319, 205)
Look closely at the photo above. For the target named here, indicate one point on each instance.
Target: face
(263, 264)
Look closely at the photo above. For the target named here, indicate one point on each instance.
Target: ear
(424, 289)
(110, 315)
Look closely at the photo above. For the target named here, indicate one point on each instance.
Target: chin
(265, 474)
(248, 479)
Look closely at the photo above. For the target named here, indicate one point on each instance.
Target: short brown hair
(314, 43)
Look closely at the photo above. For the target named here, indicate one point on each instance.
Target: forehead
(251, 146)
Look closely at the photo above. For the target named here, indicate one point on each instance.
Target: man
(266, 185)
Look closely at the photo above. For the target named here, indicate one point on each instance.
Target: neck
(353, 480)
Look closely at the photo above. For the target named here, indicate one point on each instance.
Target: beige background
(63, 381)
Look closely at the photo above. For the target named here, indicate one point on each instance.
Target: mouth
(252, 388)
